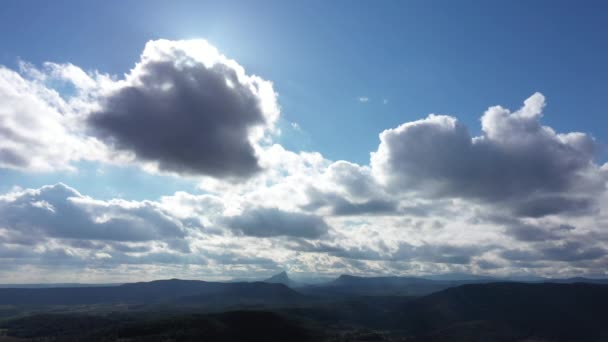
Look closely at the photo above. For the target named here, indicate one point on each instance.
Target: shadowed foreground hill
(234, 326)
(511, 310)
(475, 312)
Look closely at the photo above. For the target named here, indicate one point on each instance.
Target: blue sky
(346, 71)
(422, 56)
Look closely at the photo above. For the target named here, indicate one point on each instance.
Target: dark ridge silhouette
(50, 285)
(571, 312)
(160, 291)
(378, 286)
(349, 285)
(577, 280)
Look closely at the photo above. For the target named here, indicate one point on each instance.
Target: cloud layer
(519, 198)
(59, 211)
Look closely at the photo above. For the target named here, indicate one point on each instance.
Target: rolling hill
(160, 291)
(572, 312)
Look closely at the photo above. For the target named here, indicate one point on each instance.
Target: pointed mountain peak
(280, 278)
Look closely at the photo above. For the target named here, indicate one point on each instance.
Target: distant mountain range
(172, 291)
(511, 311)
(276, 290)
(285, 279)
(348, 285)
(47, 285)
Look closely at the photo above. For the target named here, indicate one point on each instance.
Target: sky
(151, 139)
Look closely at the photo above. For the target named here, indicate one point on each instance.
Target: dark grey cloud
(303, 245)
(563, 250)
(88, 256)
(185, 114)
(13, 158)
(547, 205)
(516, 162)
(439, 253)
(153, 258)
(353, 179)
(53, 257)
(537, 232)
(16, 237)
(338, 205)
(360, 253)
(231, 258)
(519, 255)
(572, 251)
(341, 206)
(528, 232)
(374, 206)
(350, 191)
(269, 222)
(487, 265)
(59, 211)
(127, 248)
(84, 244)
(337, 250)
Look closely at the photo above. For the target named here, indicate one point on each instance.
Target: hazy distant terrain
(348, 308)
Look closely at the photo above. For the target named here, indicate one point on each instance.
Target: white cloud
(35, 132)
(296, 126)
(59, 211)
(434, 198)
(517, 162)
(184, 108)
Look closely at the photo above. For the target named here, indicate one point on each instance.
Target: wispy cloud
(296, 126)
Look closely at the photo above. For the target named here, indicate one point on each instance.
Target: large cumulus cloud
(58, 211)
(516, 161)
(269, 222)
(188, 109)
